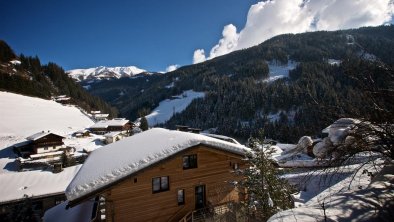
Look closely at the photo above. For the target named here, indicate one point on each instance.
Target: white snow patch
(15, 62)
(273, 78)
(169, 107)
(274, 117)
(135, 153)
(334, 62)
(171, 85)
(87, 87)
(276, 69)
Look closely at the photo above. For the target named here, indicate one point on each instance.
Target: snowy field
(168, 107)
(22, 116)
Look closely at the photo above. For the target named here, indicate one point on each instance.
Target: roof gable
(40, 135)
(118, 160)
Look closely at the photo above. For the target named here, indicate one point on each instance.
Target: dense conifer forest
(238, 102)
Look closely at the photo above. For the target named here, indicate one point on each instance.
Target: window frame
(160, 183)
(192, 161)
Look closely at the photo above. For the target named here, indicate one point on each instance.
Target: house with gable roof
(116, 124)
(159, 175)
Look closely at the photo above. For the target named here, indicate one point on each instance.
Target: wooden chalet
(39, 143)
(117, 124)
(160, 175)
(43, 150)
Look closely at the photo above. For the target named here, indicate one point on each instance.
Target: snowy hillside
(22, 116)
(103, 72)
(169, 107)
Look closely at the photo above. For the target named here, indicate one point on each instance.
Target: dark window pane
(181, 197)
(190, 161)
(193, 161)
(164, 183)
(186, 162)
(156, 184)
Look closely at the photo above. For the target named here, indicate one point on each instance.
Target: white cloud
(270, 18)
(171, 68)
(198, 56)
(227, 43)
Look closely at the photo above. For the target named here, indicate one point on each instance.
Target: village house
(82, 133)
(98, 116)
(112, 137)
(117, 124)
(63, 99)
(159, 175)
(41, 150)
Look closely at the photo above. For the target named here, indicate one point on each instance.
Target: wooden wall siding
(131, 201)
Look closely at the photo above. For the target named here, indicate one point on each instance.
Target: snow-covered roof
(113, 162)
(14, 186)
(112, 134)
(112, 122)
(40, 135)
(221, 137)
(102, 115)
(60, 213)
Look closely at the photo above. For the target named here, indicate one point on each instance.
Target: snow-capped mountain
(103, 72)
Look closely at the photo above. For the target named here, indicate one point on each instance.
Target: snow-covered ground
(277, 71)
(22, 116)
(169, 107)
(348, 194)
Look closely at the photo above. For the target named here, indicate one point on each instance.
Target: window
(181, 197)
(135, 180)
(160, 184)
(45, 148)
(235, 166)
(190, 161)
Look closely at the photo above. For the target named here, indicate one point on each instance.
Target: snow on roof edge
(81, 187)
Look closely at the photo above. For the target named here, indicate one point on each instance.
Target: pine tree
(144, 124)
(266, 192)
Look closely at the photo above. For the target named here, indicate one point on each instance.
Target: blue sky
(154, 34)
(150, 34)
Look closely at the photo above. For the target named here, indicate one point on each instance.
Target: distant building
(160, 175)
(118, 124)
(112, 137)
(82, 133)
(41, 150)
(63, 99)
(97, 115)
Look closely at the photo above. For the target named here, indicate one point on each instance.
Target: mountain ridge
(104, 72)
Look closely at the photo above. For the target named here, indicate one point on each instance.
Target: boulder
(321, 149)
(338, 131)
(304, 143)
